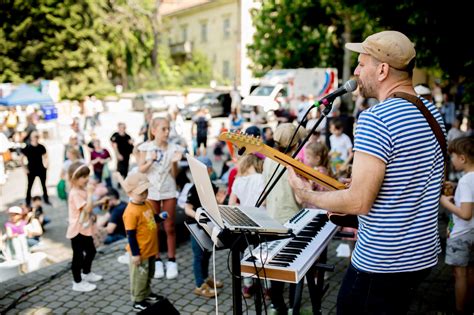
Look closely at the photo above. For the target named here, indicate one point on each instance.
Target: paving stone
(109, 309)
(125, 308)
(181, 302)
(50, 298)
(55, 304)
(60, 310)
(101, 304)
(190, 308)
(71, 304)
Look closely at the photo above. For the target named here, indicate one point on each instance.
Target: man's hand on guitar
(298, 183)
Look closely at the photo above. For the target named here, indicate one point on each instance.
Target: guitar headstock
(251, 143)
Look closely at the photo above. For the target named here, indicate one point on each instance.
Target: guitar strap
(435, 127)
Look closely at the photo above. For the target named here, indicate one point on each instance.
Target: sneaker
(91, 277)
(171, 270)
(124, 259)
(159, 270)
(83, 286)
(154, 298)
(140, 306)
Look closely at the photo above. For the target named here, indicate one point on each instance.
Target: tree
(437, 30)
(305, 33)
(54, 40)
(291, 34)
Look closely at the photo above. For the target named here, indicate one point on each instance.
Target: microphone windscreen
(350, 85)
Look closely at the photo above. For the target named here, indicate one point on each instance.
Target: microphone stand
(324, 113)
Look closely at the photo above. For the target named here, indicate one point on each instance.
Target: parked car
(151, 100)
(218, 104)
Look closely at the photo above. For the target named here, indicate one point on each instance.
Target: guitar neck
(301, 169)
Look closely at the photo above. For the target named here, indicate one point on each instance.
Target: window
(226, 28)
(184, 33)
(226, 69)
(204, 32)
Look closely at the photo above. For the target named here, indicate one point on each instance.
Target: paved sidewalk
(112, 296)
(48, 290)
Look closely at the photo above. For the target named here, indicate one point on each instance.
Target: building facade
(219, 29)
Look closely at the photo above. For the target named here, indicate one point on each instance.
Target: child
(17, 247)
(37, 209)
(460, 242)
(245, 191)
(159, 161)
(140, 224)
(341, 147)
(316, 155)
(204, 284)
(248, 184)
(79, 230)
(268, 136)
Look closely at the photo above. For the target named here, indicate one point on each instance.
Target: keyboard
(234, 217)
(289, 259)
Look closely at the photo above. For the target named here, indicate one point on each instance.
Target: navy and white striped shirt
(400, 232)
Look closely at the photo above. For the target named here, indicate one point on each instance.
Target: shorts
(202, 140)
(460, 250)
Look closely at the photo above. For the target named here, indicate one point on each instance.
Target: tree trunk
(346, 67)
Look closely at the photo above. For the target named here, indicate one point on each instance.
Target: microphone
(349, 86)
(161, 217)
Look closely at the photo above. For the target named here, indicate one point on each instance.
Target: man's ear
(382, 71)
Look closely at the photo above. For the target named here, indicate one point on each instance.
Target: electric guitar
(250, 144)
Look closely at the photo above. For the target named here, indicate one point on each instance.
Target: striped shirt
(400, 232)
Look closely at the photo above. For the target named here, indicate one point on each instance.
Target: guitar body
(249, 144)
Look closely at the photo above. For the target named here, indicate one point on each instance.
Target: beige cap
(391, 47)
(136, 183)
(284, 132)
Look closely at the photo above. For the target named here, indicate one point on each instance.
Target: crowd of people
(393, 172)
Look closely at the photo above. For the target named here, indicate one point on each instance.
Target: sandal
(210, 283)
(205, 291)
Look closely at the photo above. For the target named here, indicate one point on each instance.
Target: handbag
(105, 172)
(61, 189)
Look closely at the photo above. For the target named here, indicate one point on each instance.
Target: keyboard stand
(316, 288)
(236, 243)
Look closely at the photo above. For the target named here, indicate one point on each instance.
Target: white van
(284, 87)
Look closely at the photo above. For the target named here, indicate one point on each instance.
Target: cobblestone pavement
(48, 290)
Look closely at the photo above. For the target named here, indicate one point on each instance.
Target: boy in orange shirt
(140, 224)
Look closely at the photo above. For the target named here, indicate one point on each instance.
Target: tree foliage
(306, 33)
(301, 33)
(89, 46)
(54, 40)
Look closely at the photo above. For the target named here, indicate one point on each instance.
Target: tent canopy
(26, 95)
